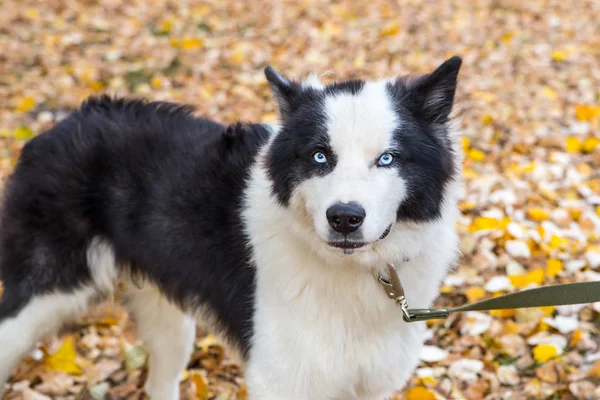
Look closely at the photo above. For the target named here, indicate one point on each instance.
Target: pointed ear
(433, 94)
(284, 90)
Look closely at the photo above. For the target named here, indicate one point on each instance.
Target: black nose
(345, 217)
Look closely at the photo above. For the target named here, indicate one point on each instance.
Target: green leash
(554, 295)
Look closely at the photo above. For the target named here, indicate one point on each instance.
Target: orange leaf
(201, 386)
(420, 393)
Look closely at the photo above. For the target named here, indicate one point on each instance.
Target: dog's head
(353, 158)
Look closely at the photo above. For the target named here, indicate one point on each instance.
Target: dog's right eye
(320, 157)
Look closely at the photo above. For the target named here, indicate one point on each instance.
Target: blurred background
(529, 102)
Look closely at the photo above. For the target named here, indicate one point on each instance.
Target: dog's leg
(169, 336)
(26, 319)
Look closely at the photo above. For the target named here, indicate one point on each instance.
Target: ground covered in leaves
(529, 98)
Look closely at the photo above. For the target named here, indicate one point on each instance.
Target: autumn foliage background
(529, 100)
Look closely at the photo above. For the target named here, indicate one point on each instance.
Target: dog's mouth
(346, 244)
(349, 246)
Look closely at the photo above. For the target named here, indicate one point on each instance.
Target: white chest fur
(323, 327)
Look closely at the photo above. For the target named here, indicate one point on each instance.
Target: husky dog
(272, 236)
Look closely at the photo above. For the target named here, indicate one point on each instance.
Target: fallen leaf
(420, 393)
(544, 352)
(201, 386)
(64, 360)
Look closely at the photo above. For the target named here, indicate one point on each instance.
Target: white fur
(169, 336)
(167, 331)
(313, 81)
(359, 129)
(102, 264)
(40, 317)
(324, 328)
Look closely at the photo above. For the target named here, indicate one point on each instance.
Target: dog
(273, 236)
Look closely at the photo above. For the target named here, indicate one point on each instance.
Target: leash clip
(394, 290)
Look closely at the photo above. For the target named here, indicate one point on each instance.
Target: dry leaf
(64, 360)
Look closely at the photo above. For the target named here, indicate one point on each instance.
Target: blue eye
(320, 157)
(385, 160)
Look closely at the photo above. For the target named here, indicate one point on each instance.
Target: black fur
(302, 134)
(165, 189)
(162, 186)
(425, 158)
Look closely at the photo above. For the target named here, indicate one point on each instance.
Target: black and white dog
(273, 236)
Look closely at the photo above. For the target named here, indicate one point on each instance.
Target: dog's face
(353, 158)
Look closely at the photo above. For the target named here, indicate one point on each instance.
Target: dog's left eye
(385, 160)
(320, 157)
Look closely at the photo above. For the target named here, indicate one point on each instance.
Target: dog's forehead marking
(363, 123)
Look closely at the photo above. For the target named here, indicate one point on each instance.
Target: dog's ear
(285, 91)
(433, 94)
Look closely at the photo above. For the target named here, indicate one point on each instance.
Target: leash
(554, 295)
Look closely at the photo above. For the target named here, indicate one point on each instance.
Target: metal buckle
(394, 290)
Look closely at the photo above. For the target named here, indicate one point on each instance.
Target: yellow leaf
(32, 13)
(474, 293)
(420, 393)
(96, 85)
(166, 25)
(543, 327)
(511, 327)
(466, 205)
(208, 340)
(476, 155)
(553, 267)
(192, 43)
(549, 93)
(156, 82)
(529, 167)
(598, 210)
(538, 214)
(446, 289)
(201, 386)
(64, 359)
(237, 57)
(556, 242)
(559, 55)
(508, 36)
(465, 143)
(269, 117)
(535, 276)
(25, 104)
(487, 119)
(242, 393)
(175, 42)
(575, 213)
(544, 352)
(428, 380)
(468, 173)
(503, 313)
(590, 144)
(576, 338)
(517, 281)
(484, 223)
(390, 30)
(595, 370)
(548, 310)
(586, 113)
(573, 144)
(24, 133)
